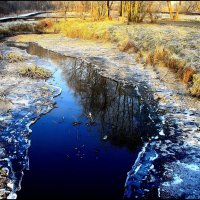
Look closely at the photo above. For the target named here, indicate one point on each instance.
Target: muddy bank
(22, 101)
(165, 158)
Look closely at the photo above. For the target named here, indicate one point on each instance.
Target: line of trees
(17, 7)
(135, 11)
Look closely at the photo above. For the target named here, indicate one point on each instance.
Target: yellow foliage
(85, 29)
(34, 71)
(13, 57)
(195, 89)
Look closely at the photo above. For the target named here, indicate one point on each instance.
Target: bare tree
(178, 10)
(136, 10)
(174, 16)
(170, 8)
(108, 8)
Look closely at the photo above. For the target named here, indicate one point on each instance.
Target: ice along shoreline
(23, 102)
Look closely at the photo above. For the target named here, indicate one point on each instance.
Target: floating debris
(105, 137)
(76, 123)
(90, 123)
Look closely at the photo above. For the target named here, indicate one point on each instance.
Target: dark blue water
(86, 145)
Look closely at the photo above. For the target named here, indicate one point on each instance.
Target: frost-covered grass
(176, 47)
(10, 28)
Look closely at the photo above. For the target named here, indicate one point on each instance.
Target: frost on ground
(174, 150)
(22, 101)
(10, 28)
(174, 45)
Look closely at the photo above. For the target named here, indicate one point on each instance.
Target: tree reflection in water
(118, 109)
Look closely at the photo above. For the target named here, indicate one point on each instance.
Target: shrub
(43, 26)
(34, 71)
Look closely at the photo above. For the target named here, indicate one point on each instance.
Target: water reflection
(116, 108)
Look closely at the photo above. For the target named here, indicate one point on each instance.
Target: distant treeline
(17, 7)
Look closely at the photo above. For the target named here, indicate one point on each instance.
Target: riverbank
(175, 46)
(169, 45)
(22, 101)
(176, 147)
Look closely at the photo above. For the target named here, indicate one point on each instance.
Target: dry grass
(85, 29)
(127, 46)
(43, 25)
(162, 57)
(188, 74)
(14, 57)
(34, 71)
(195, 89)
(167, 46)
(1, 56)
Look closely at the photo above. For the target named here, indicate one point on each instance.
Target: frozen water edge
(30, 99)
(178, 134)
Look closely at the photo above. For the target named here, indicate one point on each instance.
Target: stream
(87, 144)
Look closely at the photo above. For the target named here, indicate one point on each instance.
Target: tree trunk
(123, 9)
(91, 5)
(135, 11)
(65, 12)
(129, 11)
(120, 9)
(170, 9)
(177, 12)
(108, 9)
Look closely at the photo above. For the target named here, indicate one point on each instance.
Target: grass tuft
(13, 57)
(34, 71)
(127, 46)
(195, 89)
(1, 56)
(188, 73)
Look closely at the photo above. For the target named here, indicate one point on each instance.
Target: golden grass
(85, 29)
(13, 57)
(1, 56)
(195, 89)
(153, 44)
(34, 71)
